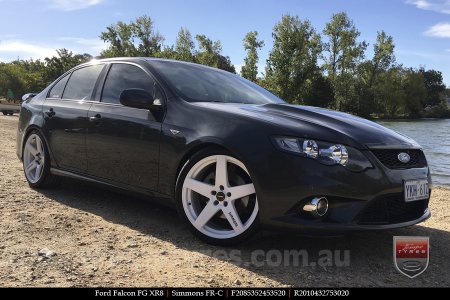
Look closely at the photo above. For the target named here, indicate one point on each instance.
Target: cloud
(441, 6)
(90, 45)
(431, 57)
(13, 48)
(441, 30)
(25, 50)
(70, 5)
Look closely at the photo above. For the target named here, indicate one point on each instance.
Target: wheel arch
(25, 135)
(209, 144)
(192, 151)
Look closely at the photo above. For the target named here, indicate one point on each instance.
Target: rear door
(65, 117)
(123, 142)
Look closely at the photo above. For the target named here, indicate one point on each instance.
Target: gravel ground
(82, 235)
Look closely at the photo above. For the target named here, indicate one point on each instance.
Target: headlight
(325, 153)
(336, 154)
(310, 148)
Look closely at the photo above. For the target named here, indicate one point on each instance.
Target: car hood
(323, 124)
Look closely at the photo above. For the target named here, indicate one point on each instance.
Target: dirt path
(95, 237)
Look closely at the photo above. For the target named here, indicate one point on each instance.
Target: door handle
(95, 119)
(50, 113)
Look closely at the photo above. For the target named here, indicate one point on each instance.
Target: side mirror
(138, 98)
(28, 96)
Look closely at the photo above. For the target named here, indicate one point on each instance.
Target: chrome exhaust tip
(318, 206)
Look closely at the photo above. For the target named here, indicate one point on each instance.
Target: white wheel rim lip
(193, 216)
(33, 158)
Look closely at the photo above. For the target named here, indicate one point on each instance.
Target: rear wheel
(217, 198)
(36, 162)
(5, 113)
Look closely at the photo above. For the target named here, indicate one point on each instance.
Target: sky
(36, 28)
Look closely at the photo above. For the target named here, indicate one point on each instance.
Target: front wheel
(217, 198)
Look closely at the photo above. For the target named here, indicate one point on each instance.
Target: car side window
(81, 83)
(124, 76)
(58, 89)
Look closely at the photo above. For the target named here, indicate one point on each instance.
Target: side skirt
(134, 191)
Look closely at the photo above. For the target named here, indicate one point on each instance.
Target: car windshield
(197, 83)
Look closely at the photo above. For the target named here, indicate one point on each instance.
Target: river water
(434, 137)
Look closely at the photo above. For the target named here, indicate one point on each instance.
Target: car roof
(151, 59)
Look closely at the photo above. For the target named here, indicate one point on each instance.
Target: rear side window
(123, 76)
(58, 89)
(81, 83)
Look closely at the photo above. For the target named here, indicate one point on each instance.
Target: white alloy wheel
(34, 158)
(219, 198)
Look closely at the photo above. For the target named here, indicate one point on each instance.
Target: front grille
(389, 158)
(391, 210)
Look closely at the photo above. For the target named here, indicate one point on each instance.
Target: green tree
(119, 36)
(209, 51)
(321, 94)
(24, 76)
(251, 44)
(388, 93)
(370, 76)
(15, 80)
(167, 53)
(33, 75)
(434, 84)
(384, 57)
(150, 41)
(292, 63)
(343, 53)
(415, 92)
(209, 54)
(184, 46)
(137, 38)
(65, 60)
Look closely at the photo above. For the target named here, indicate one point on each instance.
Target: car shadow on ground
(358, 259)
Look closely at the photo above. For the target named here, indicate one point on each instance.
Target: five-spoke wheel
(36, 162)
(33, 158)
(218, 198)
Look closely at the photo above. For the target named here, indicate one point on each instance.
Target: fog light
(317, 206)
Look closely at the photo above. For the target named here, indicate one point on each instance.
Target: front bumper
(370, 200)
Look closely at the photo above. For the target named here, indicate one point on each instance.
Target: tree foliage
(251, 44)
(137, 38)
(184, 46)
(65, 60)
(435, 87)
(23, 76)
(292, 63)
(303, 67)
(209, 54)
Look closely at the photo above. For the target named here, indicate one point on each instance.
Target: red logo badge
(411, 254)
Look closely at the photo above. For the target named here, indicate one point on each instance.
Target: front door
(123, 142)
